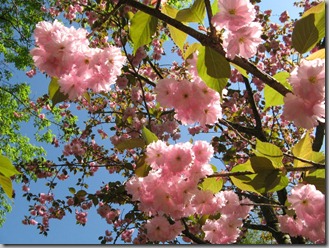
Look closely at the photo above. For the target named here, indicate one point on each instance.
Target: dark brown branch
(209, 14)
(319, 135)
(251, 99)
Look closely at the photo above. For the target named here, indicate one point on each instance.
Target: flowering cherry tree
(255, 87)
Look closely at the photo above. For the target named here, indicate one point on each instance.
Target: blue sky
(66, 231)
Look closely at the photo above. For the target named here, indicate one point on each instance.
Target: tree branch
(212, 42)
(259, 128)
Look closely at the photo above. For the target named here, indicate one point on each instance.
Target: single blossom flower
(244, 41)
(233, 14)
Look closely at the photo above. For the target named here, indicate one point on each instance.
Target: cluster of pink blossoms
(171, 188)
(243, 34)
(309, 206)
(307, 105)
(193, 101)
(65, 53)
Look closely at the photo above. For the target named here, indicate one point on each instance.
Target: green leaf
(7, 169)
(318, 157)
(318, 178)
(217, 65)
(142, 27)
(6, 185)
(148, 136)
(320, 54)
(54, 92)
(217, 84)
(272, 97)
(267, 178)
(191, 49)
(310, 29)
(72, 190)
(260, 164)
(195, 13)
(213, 184)
(142, 169)
(270, 151)
(130, 144)
(176, 35)
(214, 7)
(81, 193)
(303, 149)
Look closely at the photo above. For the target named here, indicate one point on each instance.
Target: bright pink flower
(156, 153)
(165, 89)
(243, 41)
(179, 157)
(203, 151)
(74, 84)
(304, 113)
(308, 80)
(193, 101)
(233, 14)
(205, 202)
(308, 202)
(159, 229)
(106, 66)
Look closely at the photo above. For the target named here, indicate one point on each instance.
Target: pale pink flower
(308, 80)
(156, 154)
(308, 202)
(159, 229)
(304, 113)
(106, 66)
(233, 14)
(203, 151)
(205, 202)
(165, 89)
(244, 41)
(179, 157)
(74, 84)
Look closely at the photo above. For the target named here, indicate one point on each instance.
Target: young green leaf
(217, 65)
(55, 95)
(318, 178)
(320, 54)
(6, 185)
(148, 136)
(303, 149)
(142, 27)
(310, 29)
(130, 144)
(176, 35)
(191, 49)
(217, 84)
(142, 168)
(195, 13)
(7, 169)
(270, 151)
(272, 97)
(213, 184)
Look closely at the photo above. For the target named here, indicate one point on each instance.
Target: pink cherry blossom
(309, 206)
(307, 202)
(243, 41)
(308, 79)
(193, 101)
(233, 14)
(159, 229)
(304, 113)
